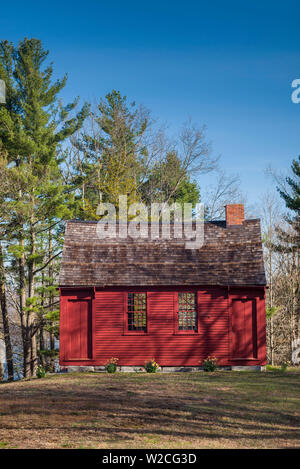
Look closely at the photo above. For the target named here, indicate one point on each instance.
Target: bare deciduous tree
(225, 190)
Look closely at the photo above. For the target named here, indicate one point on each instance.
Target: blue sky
(226, 64)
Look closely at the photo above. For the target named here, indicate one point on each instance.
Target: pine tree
(289, 241)
(33, 125)
(5, 319)
(291, 197)
(117, 155)
(111, 154)
(169, 182)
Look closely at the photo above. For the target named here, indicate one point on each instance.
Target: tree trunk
(52, 347)
(41, 335)
(23, 315)
(3, 306)
(271, 305)
(26, 358)
(1, 372)
(42, 346)
(51, 299)
(33, 355)
(272, 341)
(31, 292)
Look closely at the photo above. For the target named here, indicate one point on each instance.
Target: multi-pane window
(187, 312)
(137, 311)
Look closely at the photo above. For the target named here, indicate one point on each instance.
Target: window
(187, 312)
(137, 311)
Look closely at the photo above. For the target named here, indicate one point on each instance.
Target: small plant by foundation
(283, 367)
(151, 366)
(209, 364)
(40, 372)
(111, 365)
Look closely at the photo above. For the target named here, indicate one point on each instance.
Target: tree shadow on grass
(131, 410)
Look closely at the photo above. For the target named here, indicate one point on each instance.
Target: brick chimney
(234, 214)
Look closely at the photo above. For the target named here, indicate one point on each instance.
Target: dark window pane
(137, 311)
(187, 312)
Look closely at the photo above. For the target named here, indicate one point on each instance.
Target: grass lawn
(137, 410)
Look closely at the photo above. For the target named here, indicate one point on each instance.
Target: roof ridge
(93, 222)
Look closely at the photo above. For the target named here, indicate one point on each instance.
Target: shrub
(209, 364)
(47, 359)
(284, 367)
(111, 365)
(48, 353)
(151, 366)
(40, 372)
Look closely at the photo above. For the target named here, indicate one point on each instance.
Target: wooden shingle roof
(231, 255)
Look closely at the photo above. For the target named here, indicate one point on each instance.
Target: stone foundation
(249, 368)
(76, 369)
(162, 369)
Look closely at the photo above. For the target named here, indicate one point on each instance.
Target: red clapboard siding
(219, 314)
(160, 342)
(214, 322)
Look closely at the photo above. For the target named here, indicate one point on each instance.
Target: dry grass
(183, 410)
